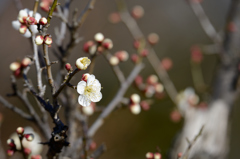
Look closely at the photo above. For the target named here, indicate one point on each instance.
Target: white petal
(16, 24)
(27, 34)
(96, 97)
(23, 13)
(96, 85)
(84, 101)
(90, 80)
(34, 29)
(38, 17)
(81, 87)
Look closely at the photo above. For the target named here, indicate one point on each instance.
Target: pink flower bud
(93, 145)
(39, 40)
(152, 79)
(175, 116)
(99, 37)
(20, 130)
(135, 58)
(167, 63)
(179, 155)
(68, 67)
(23, 29)
(145, 105)
(31, 21)
(11, 143)
(122, 55)
(85, 77)
(157, 155)
(135, 98)
(43, 21)
(149, 155)
(149, 91)
(29, 137)
(153, 38)
(107, 44)
(135, 109)
(232, 27)
(27, 151)
(17, 73)
(137, 12)
(114, 61)
(114, 18)
(26, 61)
(10, 152)
(47, 40)
(87, 45)
(144, 53)
(196, 54)
(14, 66)
(36, 157)
(45, 6)
(136, 44)
(159, 88)
(138, 80)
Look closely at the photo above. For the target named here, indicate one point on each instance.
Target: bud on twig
(82, 63)
(107, 44)
(31, 21)
(137, 12)
(23, 29)
(43, 21)
(135, 109)
(68, 67)
(47, 40)
(29, 137)
(99, 37)
(15, 66)
(11, 143)
(135, 58)
(135, 98)
(10, 152)
(39, 40)
(149, 155)
(144, 53)
(122, 55)
(26, 61)
(85, 77)
(157, 155)
(153, 38)
(113, 61)
(87, 45)
(20, 130)
(152, 79)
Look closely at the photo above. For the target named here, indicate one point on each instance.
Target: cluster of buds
(137, 12)
(155, 155)
(196, 54)
(12, 148)
(134, 104)
(17, 67)
(99, 44)
(119, 56)
(150, 87)
(39, 40)
(45, 5)
(89, 110)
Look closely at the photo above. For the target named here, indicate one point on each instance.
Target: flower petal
(96, 97)
(81, 87)
(27, 34)
(90, 80)
(38, 17)
(34, 29)
(97, 85)
(84, 101)
(16, 24)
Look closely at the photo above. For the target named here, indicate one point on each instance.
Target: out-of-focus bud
(157, 155)
(31, 21)
(89, 110)
(11, 143)
(135, 58)
(17, 73)
(137, 12)
(99, 37)
(232, 27)
(175, 116)
(135, 98)
(122, 55)
(68, 67)
(144, 53)
(39, 40)
(43, 21)
(45, 6)
(135, 109)
(107, 44)
(23, 29)
(47, 40)
(22, 16)
(149, 155)
(15, 66)
(29, 137)
(167, 63)
(10, 152)
(153, 38)
(138, 80)
(149, 91)
(93, 145)
(27, 151)
(159, 88)
(26, 61)
(114, 61)
(82, 63)
(20, 130)
(145, 105)
(196, 54)
(36, 157)
(87, 45)
(114, 18)
(85, 77)
(179, 155)
(136, 44)
(152, 79)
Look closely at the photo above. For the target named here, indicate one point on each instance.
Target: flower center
(85, 61)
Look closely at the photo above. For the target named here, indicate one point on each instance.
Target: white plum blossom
(82, 63)
(23, 14)
(89, 91)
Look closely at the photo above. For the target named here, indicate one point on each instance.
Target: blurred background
(126, 136)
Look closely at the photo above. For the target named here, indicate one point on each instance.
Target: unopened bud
(85, 77)
(135, 109)
(114, 61)
(175, 116)
(22, 16)
(87, 45)
(26, 61)
(159, 88)
(29, 137)
(31, 21)
(20, 130)
(122, 55)
(27, 151)
(14, 66)
(135, 98)
(167, 63)
(68, 67)
(82, 63)
(11, 143)
(144, 53)
(179, 155)
(149, 91)
(10, 152)
(17, 73)
(135, 58)
(114, 18)
(153, 38)
(23, 29)
(149, 155)
(36, 157)
(137, 12)
(39, 40)
(107, 44)
(93, 145)
(152, 79)
(136, 44)
(145, 105)
(99, 37)
(45, 6)
(157, 155)
(43, 21)
(89, 110)
(138, 80)
(196, 54)
(47, 40)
